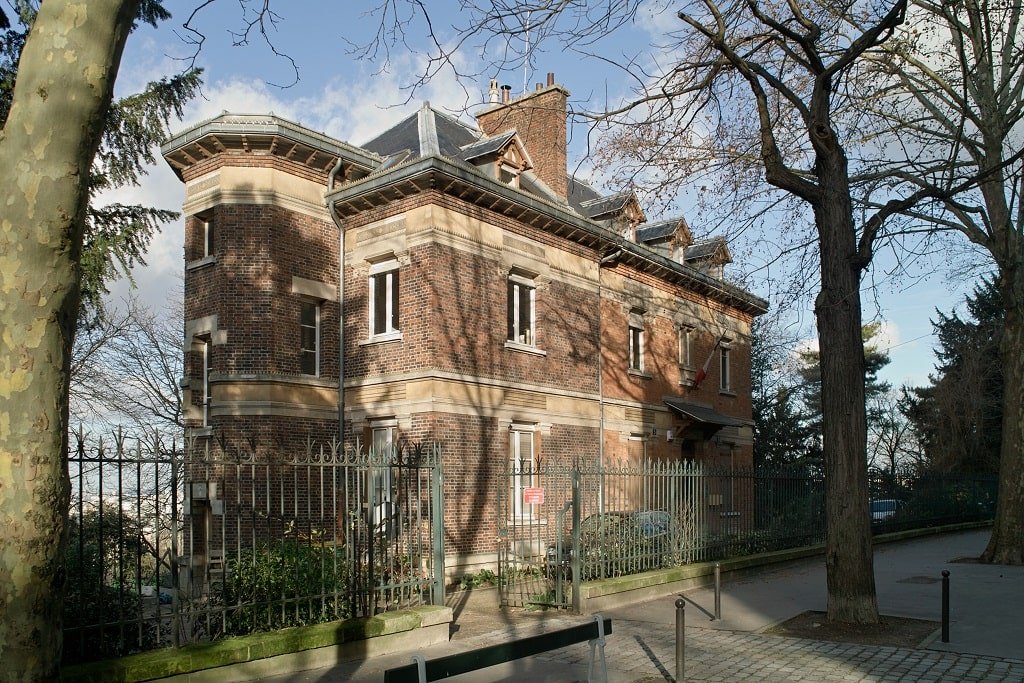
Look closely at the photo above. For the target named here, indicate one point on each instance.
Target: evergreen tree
(781, 433)
(958, 416)
(116, 235)
(810, 387)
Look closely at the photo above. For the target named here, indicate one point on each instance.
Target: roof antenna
(526, 56)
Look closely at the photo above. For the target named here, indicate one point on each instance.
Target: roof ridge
(427, 131)
(504, 135)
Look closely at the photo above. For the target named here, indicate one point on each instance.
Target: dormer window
(508, 175)
(510, 166)
(502, 157)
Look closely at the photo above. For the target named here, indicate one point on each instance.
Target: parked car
(614, 544)
(885, 510)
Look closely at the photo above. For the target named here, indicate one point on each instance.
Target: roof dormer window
(502, 157)
(510, 165)
(509, 175)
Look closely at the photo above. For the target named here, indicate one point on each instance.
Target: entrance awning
(705, 416)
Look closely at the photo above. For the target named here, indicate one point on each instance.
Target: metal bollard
(718, 591)
(945, 605)
(680, 639)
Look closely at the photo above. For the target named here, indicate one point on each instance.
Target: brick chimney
(540, 119)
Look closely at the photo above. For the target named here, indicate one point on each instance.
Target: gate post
(437, 526)
(175, 566)
(577, 564)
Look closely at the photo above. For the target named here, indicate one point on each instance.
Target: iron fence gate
(169, 546)
(539, 511)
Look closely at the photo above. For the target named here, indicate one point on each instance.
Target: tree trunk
(849, 560)
(1006, 545)
(65, 83)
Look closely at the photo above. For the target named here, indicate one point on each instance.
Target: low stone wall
(597, 596)
(266, 654)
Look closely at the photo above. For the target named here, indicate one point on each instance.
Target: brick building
(479, 296)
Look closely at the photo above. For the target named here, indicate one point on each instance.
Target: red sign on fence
(533, 495)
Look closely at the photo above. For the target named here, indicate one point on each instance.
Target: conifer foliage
(116, 235)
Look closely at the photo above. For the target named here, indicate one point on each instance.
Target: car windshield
(883, 505)
(654, 523)
(650, 523)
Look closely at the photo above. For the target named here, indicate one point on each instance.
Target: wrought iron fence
(170, 545)
(907, 499)
(632, 518)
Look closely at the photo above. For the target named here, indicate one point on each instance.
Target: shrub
(285, 584)
(106, 560)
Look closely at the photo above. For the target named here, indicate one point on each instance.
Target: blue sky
(352, 99)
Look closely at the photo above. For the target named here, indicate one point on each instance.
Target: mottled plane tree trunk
(64, 88)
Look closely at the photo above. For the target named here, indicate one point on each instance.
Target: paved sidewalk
(987, 630)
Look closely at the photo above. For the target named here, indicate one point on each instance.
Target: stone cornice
(444, 175)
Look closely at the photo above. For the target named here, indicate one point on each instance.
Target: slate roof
(579, 192)
(485, 146)
(606, 205)
(456, 140)
(655, 231)
(452, 136)
(706, 248)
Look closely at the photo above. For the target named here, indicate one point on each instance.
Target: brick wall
(453, 318)
(257, 251)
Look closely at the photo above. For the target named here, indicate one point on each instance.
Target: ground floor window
(383, 441)
(521, 454)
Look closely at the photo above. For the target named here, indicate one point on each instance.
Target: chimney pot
(506, 93)
(540, 86)
(540, 119)
(551, 78)
(492, 91)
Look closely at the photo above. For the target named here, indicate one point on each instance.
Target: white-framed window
(383, 296)
(522, 465)
(508, 174)
(636, 342)
(309, 338)
(686, 346)
(726, 369)
(206, 352)
(522, 310)
(206, 232)
(383, 437)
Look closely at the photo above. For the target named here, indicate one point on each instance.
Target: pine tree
(810, 388)
(781, 432)
(958, 416)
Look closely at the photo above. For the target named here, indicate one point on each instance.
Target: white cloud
(888, 336)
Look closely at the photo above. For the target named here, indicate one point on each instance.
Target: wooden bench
(425, 670)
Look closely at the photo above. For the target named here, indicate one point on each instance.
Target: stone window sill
(201, 263)
(382, 338)
(633, 372)
(524, 348)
